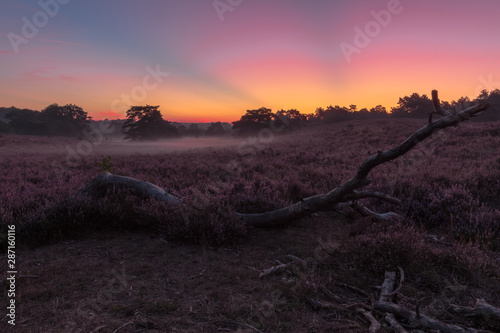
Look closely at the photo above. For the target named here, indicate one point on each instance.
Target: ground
(136, 279)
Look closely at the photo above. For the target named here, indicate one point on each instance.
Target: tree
(414, 106)
(337, 113)
(66, 119)
(253, 121)
(63, 120)
(461, 104)
(5, 128)
(215, 129)
(292, 119)
(147, 123)
(193, 130)
(379, 110)
(492, 98)
(319, 114)
(182, 129)
(27, 122)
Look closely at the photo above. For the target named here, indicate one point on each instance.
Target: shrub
(405, 246)
(207, 223)
(454, 209)
(104, 164)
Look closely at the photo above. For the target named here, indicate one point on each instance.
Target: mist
(125, 147)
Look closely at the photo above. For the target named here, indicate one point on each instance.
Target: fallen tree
(346, 192)
(345, 195)
(106, 182)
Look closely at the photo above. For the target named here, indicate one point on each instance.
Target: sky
(206, 60)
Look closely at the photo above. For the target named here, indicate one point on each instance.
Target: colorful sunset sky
(226, 56)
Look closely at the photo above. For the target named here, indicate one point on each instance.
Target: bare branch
(282, 267)
(482, 309)
(318, 305)
(394, 324)
(398, 289)
(422, 321)
(375, 325)
(373, 194)
(387, 286)
(339, 194)
(367, 212)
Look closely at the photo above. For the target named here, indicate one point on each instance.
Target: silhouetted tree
(461, 104)
(182, 129)
(253, 121)
(193, 130)
(28, 122)
(492, 98)
(66, 119)
(292, 119)
(415, 106)
(337, 113)
(483, 95)
(319, 114)
(147, 123)
(379, 110)
(5, 128)
(215, 129)
(361, 114)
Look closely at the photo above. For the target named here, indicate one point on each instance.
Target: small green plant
(105, 164)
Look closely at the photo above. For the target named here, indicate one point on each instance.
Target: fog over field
(166, 146)
(44, 145)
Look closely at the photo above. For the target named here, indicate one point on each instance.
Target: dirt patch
(138, 281)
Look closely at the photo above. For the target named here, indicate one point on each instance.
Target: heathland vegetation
(445, 237)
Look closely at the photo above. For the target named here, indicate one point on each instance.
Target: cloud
(56, 41)
(62, 42)
(47, 74)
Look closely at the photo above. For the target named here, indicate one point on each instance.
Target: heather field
(195, 267)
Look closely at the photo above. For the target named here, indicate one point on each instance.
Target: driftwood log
(107, 182)
(345, 195)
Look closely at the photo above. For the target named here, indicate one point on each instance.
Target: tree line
(147, 122)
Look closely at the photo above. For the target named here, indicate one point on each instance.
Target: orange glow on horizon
(278, 55)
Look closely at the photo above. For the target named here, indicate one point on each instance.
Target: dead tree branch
(398, 289)
(373, 194)
(482, 309)
(387, 287)
(389, 318)
(364, 211)
(375, 325)
(437, 107)
(422, 321)
(331, 199)
(283, 267)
